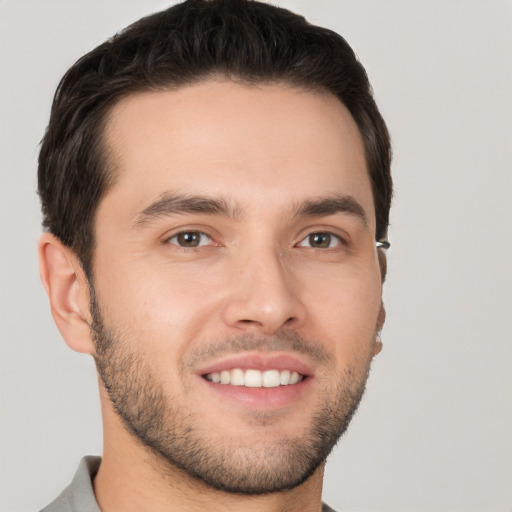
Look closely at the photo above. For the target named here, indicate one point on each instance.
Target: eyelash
(192, 233)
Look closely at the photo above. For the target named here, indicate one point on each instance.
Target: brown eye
(190, 239)
(321, 240)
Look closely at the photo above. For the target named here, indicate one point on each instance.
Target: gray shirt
(79, 495)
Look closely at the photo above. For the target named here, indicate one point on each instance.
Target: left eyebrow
(324, 207)
(179, 204)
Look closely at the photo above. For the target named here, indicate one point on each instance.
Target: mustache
(250, 342)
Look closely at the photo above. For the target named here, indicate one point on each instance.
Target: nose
(264, 296)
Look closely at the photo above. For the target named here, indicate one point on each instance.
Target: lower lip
(260, 398)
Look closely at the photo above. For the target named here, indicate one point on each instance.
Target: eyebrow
(324, 207)
(177, 204)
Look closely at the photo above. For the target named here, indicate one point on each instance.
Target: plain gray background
(434, 432)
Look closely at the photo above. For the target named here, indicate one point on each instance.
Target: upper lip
(259, 361)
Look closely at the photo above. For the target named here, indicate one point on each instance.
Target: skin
(264, 151)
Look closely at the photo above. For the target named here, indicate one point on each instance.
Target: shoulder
(79, 496)
(62, 503)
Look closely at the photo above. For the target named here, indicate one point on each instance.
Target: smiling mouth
(255, 378)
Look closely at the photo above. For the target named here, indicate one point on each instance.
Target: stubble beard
(180, 438)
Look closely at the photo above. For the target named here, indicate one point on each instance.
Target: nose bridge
(264, 294)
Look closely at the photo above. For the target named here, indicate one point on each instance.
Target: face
(237, 289)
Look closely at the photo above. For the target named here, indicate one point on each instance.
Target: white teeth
(237, 377)
(255, 378)
(271, 379)
(285, 377)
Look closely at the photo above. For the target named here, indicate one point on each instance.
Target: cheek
(345, 311)
(162, 306)
(170, 307)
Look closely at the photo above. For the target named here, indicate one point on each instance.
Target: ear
(67, 287)
(380, 324)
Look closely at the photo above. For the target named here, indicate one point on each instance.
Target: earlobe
(380, 324)
(67, 288)
(378, 346)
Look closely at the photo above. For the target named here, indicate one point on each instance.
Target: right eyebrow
(176, 204)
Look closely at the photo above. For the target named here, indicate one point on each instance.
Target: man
(215, 185)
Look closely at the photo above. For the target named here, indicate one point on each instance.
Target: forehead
(242, 142)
